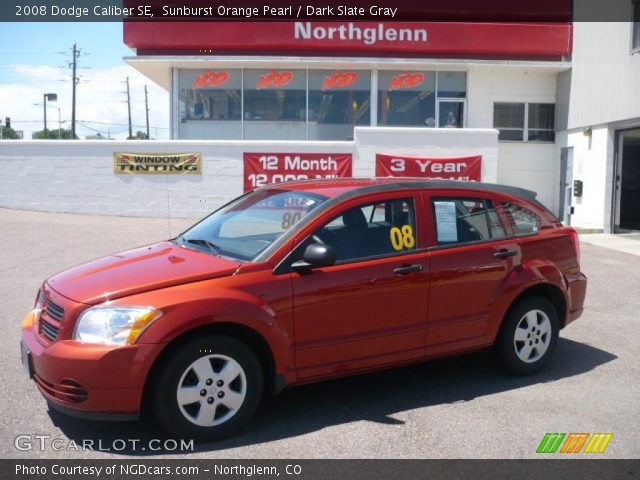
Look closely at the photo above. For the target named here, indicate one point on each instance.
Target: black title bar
(319, 469)
(317, 10)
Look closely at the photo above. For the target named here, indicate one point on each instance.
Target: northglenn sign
(354, 33)
(450, 39)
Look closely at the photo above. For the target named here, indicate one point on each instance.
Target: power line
(121, 124)
(108, 124)
(28, 53)
(108, 132)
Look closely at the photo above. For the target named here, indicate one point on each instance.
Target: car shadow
(373, 397)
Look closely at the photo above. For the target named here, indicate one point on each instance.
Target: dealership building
(325, 83)
(563, 96)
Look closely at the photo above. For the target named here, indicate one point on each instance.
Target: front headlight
(114, 325)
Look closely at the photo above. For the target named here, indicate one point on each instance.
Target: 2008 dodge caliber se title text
(301, 282)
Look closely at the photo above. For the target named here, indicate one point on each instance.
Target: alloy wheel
(532, 336)
(211, 390)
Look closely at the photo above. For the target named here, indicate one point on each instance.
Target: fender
(522, 277)
(193, 305)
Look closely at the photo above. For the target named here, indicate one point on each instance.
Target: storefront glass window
(298, 104)
(338, 100)
(452, 84)
(209, 104)
(407, 98)
(275, 104)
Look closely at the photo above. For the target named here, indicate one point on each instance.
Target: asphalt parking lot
(453, 408)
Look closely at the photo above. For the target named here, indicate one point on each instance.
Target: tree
(140, 135)
(64, 134)
(97, 136)
(9, 133)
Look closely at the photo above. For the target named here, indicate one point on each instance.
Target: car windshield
(248, 225)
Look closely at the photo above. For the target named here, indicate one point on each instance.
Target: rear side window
(371, 230)
(464, 220)
(523, 221)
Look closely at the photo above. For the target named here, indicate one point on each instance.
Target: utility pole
(74, 83)
(75, 80)
(146, 107)
(129, 108)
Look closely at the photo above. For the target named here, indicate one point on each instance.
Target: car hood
(140, 270)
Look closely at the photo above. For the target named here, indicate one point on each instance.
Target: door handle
(505, 253)
(407, 269)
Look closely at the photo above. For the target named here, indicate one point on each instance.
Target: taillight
(575, 243)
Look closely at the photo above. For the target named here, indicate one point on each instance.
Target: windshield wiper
(202, 241)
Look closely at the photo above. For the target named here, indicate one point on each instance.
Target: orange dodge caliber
(300, 282)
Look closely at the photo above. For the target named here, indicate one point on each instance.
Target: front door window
(372, 230)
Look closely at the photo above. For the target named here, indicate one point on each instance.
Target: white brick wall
(78, 176)
(523, 164)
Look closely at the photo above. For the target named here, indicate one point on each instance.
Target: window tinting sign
(158, 163)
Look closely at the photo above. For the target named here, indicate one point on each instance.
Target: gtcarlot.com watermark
(42, 443)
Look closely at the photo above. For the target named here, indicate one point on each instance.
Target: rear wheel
(528, 337)
(208, 388)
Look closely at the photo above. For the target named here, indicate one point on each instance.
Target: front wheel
(208, 388)
(528, 337)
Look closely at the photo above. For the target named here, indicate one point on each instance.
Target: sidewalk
(621, 242)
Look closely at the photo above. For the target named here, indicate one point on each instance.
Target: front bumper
(92, 380)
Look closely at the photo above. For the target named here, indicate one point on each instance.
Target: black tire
(163, 393)
(509, 352)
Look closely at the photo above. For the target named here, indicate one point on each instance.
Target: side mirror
(316, 255)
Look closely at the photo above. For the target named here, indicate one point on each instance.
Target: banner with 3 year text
(262, 169)
(460, 168)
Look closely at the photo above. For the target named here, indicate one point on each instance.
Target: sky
(34, 60)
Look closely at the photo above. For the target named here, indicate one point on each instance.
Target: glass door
(452, 113)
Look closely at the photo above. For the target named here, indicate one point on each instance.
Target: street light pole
(52, 97)
(45, 115)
